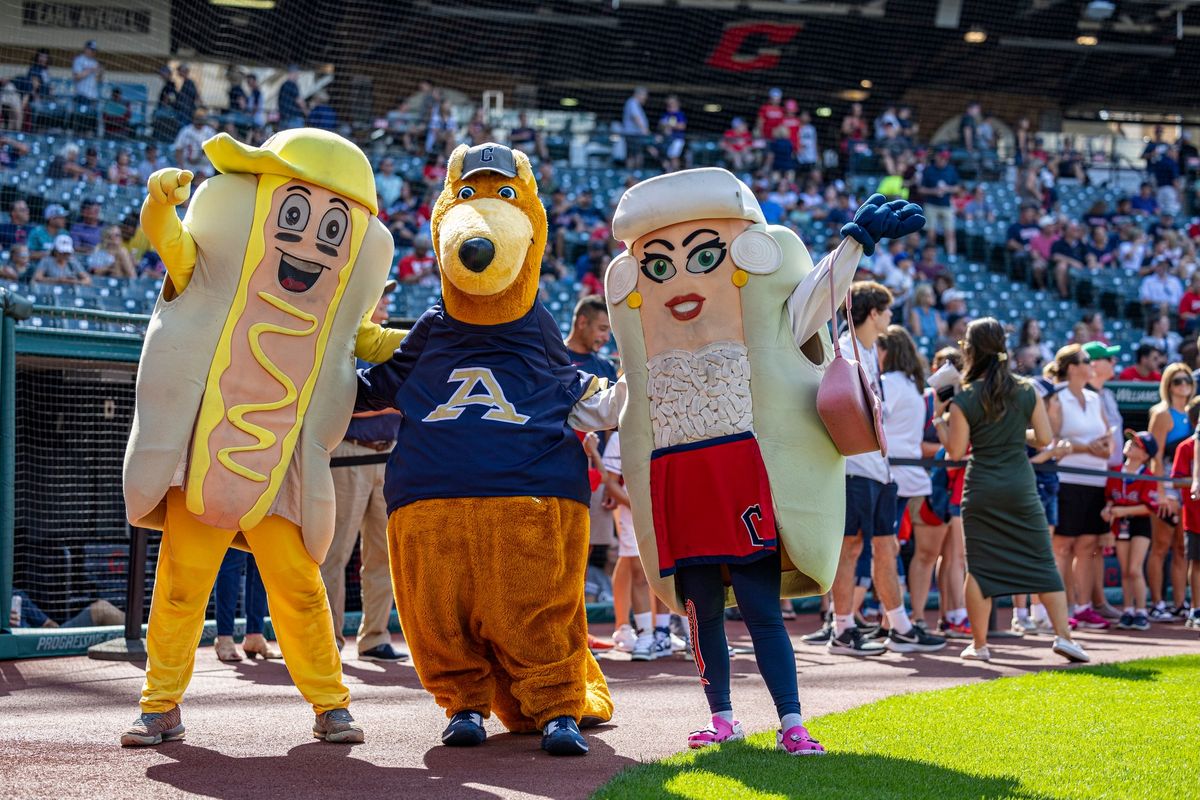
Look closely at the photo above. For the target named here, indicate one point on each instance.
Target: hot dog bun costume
(735, 485)
(721, 324)
(246, 382)
(487, 488)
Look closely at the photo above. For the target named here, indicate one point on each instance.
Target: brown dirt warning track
(248, 729)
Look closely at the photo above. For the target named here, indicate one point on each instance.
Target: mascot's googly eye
(621, 278)
(466, 193)
(757, 252)
(507, 192)
(333, 226)
(293, 214)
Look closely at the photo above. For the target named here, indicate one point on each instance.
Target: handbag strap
(837, 345)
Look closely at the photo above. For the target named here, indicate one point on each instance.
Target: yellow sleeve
(376, 343)
(171, 241)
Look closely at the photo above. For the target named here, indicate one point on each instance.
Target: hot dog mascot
(736, 486)
(246, 382)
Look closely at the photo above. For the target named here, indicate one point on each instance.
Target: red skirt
(712, 503)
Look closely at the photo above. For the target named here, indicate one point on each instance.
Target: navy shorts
(1049, 504)
(870, 507)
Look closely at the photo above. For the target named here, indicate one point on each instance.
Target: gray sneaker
(662, 643)
(151, 729)
(338, 726)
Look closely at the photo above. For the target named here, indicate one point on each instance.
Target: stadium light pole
(12, 308)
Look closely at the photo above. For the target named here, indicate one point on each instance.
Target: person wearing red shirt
(1189, 307)
(770, 115)
(737, 143)
(1147, 363)
(1184, 468)
(792, 124)
(419, 266)
(1131, 502)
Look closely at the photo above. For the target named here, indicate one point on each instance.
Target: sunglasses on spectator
(1081, 362)
(1181, 380)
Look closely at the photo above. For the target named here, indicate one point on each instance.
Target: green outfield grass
(1120, 731)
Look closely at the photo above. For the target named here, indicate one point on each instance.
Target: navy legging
(229, 586)
(756, 587)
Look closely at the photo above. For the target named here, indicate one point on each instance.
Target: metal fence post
(8, 443)
(131, 647)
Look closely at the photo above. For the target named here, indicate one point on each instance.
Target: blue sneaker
(561, 737)
(465, 730)
(384, 652)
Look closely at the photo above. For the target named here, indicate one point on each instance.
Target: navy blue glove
(877, 220)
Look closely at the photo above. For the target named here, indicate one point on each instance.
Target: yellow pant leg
(434, 578)
(188, 560)
(538, 626)
(299, 612)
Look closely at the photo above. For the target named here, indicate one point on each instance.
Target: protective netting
(71, 545)
(94, 95)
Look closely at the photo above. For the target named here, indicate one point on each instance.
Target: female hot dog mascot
(736, 487)
(246, 382)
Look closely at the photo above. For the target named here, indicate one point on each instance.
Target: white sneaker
(623, 639)
(643, 648)
(662, 643)
(1070, 650)
(1023, 627)
(972, 653)
(1042, 627)
(678, 644)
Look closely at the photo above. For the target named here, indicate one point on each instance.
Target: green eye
(705, 259)
(658, 268)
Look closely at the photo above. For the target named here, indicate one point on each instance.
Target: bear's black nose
(476, 254)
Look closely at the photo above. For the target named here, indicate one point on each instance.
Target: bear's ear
(455, 166)
(524, 168)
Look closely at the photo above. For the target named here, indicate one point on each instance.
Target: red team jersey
(1182, 468)
(1132, 491)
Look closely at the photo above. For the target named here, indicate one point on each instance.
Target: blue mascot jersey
(485, 410)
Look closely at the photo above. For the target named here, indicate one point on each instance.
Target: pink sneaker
(719, 731)
(795, 741)
(1088, 618)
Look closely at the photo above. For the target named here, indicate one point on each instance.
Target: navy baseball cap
(489, 157)
(1148, 442)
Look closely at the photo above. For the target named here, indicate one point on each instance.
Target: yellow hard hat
(308, 154)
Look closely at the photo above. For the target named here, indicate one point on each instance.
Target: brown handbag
(846, 402)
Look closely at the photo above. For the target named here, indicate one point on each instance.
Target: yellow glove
(375, 343)
(168, 188)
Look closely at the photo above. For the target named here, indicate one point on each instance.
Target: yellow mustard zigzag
(237, 414)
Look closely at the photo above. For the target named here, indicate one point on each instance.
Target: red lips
(685, 306)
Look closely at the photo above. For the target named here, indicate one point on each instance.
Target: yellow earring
(634, 300)
(740, 278)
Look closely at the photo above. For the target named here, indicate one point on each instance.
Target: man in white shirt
(189, 146)
(871, 508)
(86, 71)
(1161, 290)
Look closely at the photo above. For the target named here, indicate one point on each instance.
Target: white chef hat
(694, 194)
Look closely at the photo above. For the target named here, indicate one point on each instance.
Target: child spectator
(1131, 502)
(631, 591)
(737, 143)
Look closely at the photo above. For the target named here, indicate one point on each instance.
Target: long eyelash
(646, 259)
(705, 245)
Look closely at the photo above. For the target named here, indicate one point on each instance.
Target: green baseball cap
(1098, 350)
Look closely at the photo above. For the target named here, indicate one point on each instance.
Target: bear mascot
(245, 384)
(487, 487)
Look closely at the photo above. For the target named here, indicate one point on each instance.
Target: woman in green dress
(1008, 540)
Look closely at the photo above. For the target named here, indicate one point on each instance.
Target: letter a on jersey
(490, 395)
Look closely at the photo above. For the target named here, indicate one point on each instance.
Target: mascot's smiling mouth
(685, 306)
(297, 275)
